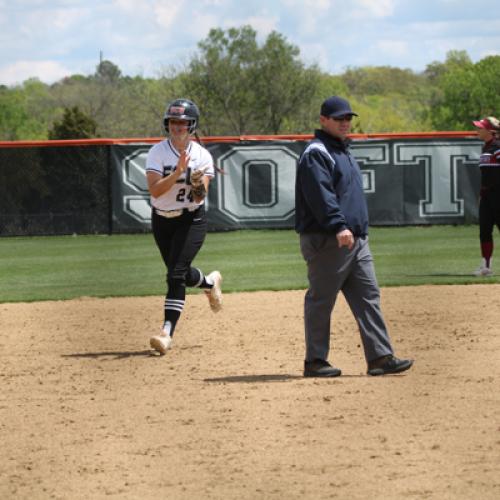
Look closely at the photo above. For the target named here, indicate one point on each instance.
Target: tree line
(243, 87)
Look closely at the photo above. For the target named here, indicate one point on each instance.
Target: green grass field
(52, 268)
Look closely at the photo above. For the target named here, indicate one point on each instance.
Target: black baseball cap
(335, 106)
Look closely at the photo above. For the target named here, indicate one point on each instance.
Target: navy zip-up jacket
(329, 193)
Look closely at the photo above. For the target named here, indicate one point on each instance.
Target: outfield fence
(99, 186)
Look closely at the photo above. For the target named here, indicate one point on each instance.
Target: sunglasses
(345, 118)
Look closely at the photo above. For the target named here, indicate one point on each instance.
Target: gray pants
(332, 269)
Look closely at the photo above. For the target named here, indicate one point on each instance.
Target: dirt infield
(88, 412)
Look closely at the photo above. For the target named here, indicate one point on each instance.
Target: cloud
(50, 22)
(464, 28)
(126, 5)
(200, 24)
(46, 71)
(320, 18)
(488, 53)
(314, 53)
(166, 12)
(378, 9)
(395, 48)
(214, 3)
(353, 9)
(310, 15)
(69, 34)
(263, 23)
(64, 19)
(307, 5)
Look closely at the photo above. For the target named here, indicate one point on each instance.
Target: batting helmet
(182, 109)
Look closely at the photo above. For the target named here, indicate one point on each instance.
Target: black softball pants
(179, 240)
(489, 215)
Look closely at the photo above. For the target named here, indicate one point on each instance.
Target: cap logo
(177, 110)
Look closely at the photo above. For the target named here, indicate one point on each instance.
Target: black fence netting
(100, 187)
(54, 190)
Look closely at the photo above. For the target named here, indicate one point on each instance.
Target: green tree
(121, 106)
(25, 111)
(454, 59)
(12, 113)
(381, 80)
(219, 80)
(143, 103)
(283, 86)
(107, 72)
(305, 118)
(389, 113)
(39, 106)
(97, 96)
(74, 125)
(246, 89)
(103, 100)
(467, 91)
(388, 99)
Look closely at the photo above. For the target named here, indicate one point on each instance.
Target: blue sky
(50, 39)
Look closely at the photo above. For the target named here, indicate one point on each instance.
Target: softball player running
(178, 172)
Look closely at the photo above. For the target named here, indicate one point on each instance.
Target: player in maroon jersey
(488, 130)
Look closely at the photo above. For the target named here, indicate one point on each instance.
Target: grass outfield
(65, 267)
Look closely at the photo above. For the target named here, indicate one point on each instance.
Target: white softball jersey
(162, 158)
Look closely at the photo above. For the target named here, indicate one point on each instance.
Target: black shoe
(389, 364)
(320, 368)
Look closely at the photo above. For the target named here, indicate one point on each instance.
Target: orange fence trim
(230, 138)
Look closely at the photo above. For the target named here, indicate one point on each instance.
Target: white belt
(170, 214)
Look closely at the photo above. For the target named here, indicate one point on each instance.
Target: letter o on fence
(259, 183)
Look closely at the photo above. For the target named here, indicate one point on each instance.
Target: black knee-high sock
(174, 303)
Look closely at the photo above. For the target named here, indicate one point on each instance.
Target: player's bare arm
(159, 185)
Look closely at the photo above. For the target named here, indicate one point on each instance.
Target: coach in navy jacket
(331, 217)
